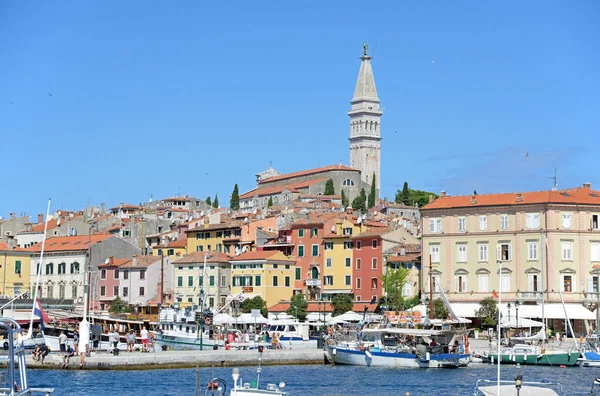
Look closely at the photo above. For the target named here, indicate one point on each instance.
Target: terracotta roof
(198, 257)
(142, 261)
(404, 259)
(220, 226)
(408, 248)
(180, 243)
(69, 243)
(316, 306)
(372, 232)
(321, 197)
(127, 206)
(580, 195)
(308, 172)
(293, 187)
(53, 223)
(316, 218)
(262, 255)
(115, 263)
(4, 246)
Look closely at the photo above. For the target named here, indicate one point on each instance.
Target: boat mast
(430, 289)
(544, 282)
(499, 319)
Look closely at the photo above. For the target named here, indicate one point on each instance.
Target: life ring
(79, 300)
(207, 321)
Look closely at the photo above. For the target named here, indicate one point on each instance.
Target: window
(116, 274)
(482, 223)
(219, 234)
(532, 220)
(594, 222)
(503, 252)
(358, 283)
(348, 183)
(435, 253)
(314, 232)
(237, 233)
(190, 281)
(50, 291)
(483, 283)
(567, 250)
(374, 243)
(504, 222)
(566, 220)
(328, 263)
(347, 231)
(505, 282)
(115, 291)
(348, 245)
(208, 248)
(348, 280)
(435, 225)
(143, 274)
(532, 250)
(180, 281)
(301, 233)
(407, 290)
(462, 253)
(358, 262)
(462, 224)
(358, 245)
(460, 283)
(125, 291)
(348, 262)
(199, 248)
(141, 290)
(298, 273)
(103, 290)
(315, 250)
(199, 235)
(103, 274)
(223, 280)
(125, 274)
(207, 236)
(275, 280)
(374, 263)
(592, 284)
(211, 280)
(49, 269)
(328, 280)
(533, 282)
(159, 252)
(17, 268)
(170, 252)
(373, 283)
(328, 245)
(301, 251)
(257, 280)
(287, 281)
(595, 253)
(483, 252)
(567, 283)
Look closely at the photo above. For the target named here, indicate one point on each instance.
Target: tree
(342, 303)
(488, 313)
(393, 281)
(363, 199)
(118, 306)
(420, 197)
(298, 306)
(234, 201)
(255, 303)
(357, 203)
(345, 202)
(329, 189)
(405, 195)
(270, 203)
(440, 311)
(216, 202)
(208, 201)
(372, 194)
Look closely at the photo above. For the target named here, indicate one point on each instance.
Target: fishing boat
(402, 347)
(518, 387)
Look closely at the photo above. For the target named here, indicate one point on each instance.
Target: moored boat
(518, 387)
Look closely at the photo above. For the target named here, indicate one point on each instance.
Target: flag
(39, 311)
(495, 294)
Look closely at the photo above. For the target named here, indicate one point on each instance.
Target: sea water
(307, 380)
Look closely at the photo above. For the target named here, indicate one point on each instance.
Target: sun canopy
(523, 323)
(247, 318)
(223, 318)
(534, 311)
(347, 317)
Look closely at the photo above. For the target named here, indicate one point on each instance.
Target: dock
(182, 359)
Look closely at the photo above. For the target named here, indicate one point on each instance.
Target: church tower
(365, 120)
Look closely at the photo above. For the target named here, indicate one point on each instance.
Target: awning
(523, 323)
(337, 291)
(551, 311)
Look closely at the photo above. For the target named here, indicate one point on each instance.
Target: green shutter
(257, 280)
(298, 273)
(301, 232)
(190, 281)
(300, 251)
(212, 280)
(275, 280)
(315, 250)
(180, 281)
(287, 281)
(18, 266)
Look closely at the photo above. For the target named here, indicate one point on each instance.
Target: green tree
(329, 189)
(363, 198)
(488, 313)
(298, 306)
(357, 203)
(440, 311)
(372, 197)
(216, 202)
(208, 201)
(342, 303)
(345, 202)
(392, 281)
(118, 306)
(234, 201)
(255, 303)
(474, 192)
(420, 197)
(270, 203)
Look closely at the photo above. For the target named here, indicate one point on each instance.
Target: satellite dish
(255, 210)
(333, 229)
(245, 220)
(244, 249)
(375, 213)
(201, 213)
(106, 261)
(58, 222)
(359, 220)
(364, 217)
(237, 251)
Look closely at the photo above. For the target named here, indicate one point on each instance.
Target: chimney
(11, 242)
(349, 210)
(587, 185)
(102, 208)
(402, 251)
(12, 215)
(431, 198)
(519, 197)
(473, 199)
(28, 227)
(442, 194)
(111, 260)
(134, 260)
(40, 217)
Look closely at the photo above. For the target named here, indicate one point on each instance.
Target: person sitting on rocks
(83, 355)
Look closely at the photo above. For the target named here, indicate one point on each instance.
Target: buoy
(562, 366)
(334, 351)
(368, 354)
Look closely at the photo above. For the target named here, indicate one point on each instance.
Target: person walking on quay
(62, 341)
(116, 337)
(130, 340)
(144, 334)
(70, 352)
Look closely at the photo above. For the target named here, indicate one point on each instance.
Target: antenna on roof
(554, 179)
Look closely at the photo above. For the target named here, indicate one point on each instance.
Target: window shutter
(509, 251)
(456, 279)
(498, 252)
(590, 283)
(530, 282)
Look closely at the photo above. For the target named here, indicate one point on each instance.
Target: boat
(15, 378)
(402, 347)
(595, 387)
(178, 329)
(590, 356)
(518, 387)
(291, 331)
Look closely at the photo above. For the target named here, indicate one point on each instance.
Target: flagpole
(499, 319)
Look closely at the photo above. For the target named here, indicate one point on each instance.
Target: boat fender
(563, 366)
(79, 300)
(334, 351)
(207, 321)
(525, 356)
(427, 356)
(368, 354)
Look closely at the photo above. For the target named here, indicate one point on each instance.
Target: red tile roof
(69, 243)
(142, 261)
(180, 243)
(4, 246)
(308, 172)
(408, 257)
(52, 223)
(262, 255)
(408, 248)
(198, 257)
(293, 187)
(115, 263)
(219, 226)
(580, 195)
(372, 232)
(127, 206)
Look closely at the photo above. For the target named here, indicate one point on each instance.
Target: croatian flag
(39, 311)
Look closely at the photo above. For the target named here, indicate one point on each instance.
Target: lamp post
(508, 306)
(517, 303)
(427, 305)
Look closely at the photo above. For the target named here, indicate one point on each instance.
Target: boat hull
(177, 342)
(545, 359)
(356, 357)
(590, 359)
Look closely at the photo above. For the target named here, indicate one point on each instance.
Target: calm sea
(306, 380)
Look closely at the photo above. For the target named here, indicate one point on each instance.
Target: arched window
(348, 183)
(314, 273)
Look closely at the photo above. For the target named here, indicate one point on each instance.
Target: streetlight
(517, 303)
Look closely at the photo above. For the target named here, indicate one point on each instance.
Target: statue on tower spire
(366, 49)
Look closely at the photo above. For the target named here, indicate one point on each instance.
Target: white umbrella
(247, 318)
(347, 317)
(523, 322)
(222, 318)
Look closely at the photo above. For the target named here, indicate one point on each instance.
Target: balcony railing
(530, 296)
(590, 297)
(312, 282)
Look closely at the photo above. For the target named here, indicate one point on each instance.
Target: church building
(365, 146)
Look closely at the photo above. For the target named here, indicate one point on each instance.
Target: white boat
(400, 347)
(291, 332)
(518, 387)
(178, 329)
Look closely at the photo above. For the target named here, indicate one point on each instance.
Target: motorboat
(178, 329)
(290, 331)
(535, 355)
(518, 387)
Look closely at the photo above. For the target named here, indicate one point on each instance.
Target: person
(83, 355)
(130, 340)
(246, 339)
(144, 334)
(69, 353)
(62, 341)
(151, 340)
(277, 343)
(274, 341)
(116, 337)
(111, 340)
(36, 353)
(44, 351)
(76, 340)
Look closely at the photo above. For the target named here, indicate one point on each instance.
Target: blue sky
(191, 97)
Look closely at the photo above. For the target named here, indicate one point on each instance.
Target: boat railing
(493, 381)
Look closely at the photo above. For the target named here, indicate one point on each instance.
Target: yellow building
(338, 257)
(264, 273)
(172, 249)
(221, 237)
(16, 264)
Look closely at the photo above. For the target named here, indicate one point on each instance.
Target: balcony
(312, 282)
(590, 297)
(530, 296)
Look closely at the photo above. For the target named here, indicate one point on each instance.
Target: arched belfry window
(348, 183)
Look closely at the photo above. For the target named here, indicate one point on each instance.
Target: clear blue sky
(164, 97)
